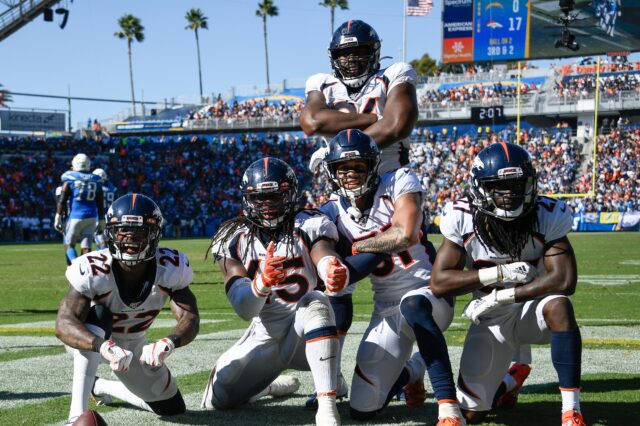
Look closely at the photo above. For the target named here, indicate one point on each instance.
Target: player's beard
(507, 237)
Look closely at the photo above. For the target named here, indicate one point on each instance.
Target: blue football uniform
(84, 187)
(109, 194)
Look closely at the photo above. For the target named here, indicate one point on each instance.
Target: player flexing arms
(360, 95)
(116, 295)
(108, 195)
(383, 214)
(521, 268)
(85, 191)
(271, 258)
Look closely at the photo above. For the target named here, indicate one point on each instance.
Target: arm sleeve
(244, 300)
(362, 264)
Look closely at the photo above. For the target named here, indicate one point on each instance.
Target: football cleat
(100, 399)
(284, 385)
(341, 393)
(415, 394)
(572, 418)
(451, 421)
(509, 399)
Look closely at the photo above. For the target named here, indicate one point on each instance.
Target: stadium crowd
(252, 108)
(578, 87)
(474, 92)
(196, 179)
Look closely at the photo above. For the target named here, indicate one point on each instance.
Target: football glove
(57, 222)
(517, 272)
(483, 305)
(272, 274)
(334, 274)
(118, 358)
(100, 227)
(317, 158)
(155, 353)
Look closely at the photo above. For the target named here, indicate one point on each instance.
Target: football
(90, 418)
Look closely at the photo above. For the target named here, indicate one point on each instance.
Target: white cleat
(102, 399)
(284, 385)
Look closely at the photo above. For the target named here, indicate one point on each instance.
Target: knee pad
(100, 317)
(415, 307)
(169, 407)
(318, 314)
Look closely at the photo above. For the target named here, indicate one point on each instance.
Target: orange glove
(272, 274)
(334, 274)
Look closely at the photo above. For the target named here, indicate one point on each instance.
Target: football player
(271, 258)
(521, 269)
(63, 217)
(86, 217)
(115, 296)
(384, 215)
(108, 195)
(360, 95)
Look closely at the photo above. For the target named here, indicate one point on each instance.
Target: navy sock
(343, 311)
(417, 310)
(566, 355)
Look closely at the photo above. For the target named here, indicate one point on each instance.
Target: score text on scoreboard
(491, 114)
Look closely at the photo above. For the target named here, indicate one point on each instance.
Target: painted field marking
(634, 262)
(607, 280)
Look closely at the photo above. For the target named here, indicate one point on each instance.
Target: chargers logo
(494, 24)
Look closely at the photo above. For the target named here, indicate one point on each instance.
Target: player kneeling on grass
(382, 214)
(271, 258)
(115, 295)
(505, 234)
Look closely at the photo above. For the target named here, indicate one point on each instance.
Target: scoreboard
(485, 30)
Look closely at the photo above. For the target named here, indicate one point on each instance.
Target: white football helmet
(101, 173)
(81, 163)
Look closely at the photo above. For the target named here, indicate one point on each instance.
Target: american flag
(419, 7)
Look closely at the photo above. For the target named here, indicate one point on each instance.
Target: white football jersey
(408, 269)
(456, 224)
(371, 98)
(92, 275)
(301, 276)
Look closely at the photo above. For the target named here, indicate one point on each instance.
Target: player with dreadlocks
(521, 269)
(271, 259)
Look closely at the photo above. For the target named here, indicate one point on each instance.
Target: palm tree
(132, 30)
(342, 4)
(266, 8)
(196, 20)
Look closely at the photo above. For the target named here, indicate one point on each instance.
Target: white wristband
(506, 296)
(259, 288)
(488, 276)
(321, 267)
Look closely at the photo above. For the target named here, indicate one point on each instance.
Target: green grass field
(35, 371)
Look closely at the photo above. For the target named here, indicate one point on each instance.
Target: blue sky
(88, 59)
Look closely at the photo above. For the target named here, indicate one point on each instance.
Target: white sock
(85, 365)
(449, 409)
(570, 399)
(322, 356)
(341, 338)
(119, 390)
(416, 367)
(510, 382)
